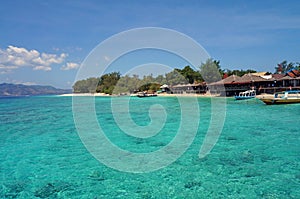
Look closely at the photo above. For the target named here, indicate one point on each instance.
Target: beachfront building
(261, 82)
(165, 89)
(291, 79)
(283, 82)
(196, 88)
(235, 84)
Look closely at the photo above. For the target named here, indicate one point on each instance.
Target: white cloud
(13, 58)
(55, 49)
(45, 68)
(2, 72)
(106, 58)
(29, 83)
(78, 48)
(70, 66)
(14, 81)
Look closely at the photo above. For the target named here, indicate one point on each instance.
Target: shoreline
(263, 95)
(84, 94)
(159, 95)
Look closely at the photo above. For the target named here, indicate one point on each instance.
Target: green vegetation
(210, 71)
(113, 83)
(239, 72)
(86, 86)
(284, 67)
(107, 82)
(210, 67)
(190, 75)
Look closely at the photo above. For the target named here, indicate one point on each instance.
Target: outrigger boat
(246, 95)
(286, 97)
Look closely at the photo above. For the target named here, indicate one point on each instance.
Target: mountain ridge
(9, 89)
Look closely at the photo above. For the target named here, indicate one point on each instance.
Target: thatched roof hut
(286, 78)
(249, 78)
(229, 80)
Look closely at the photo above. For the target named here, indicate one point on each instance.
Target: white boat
(246, 95)
(286, 97)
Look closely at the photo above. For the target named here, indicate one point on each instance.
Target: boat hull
(243, 98)
(147, 95)
(272, 101)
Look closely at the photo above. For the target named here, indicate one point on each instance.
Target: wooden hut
(196, 88)
(235, 84)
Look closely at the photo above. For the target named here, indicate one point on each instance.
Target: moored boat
(286, 97)
(144, 94)
(246, 95)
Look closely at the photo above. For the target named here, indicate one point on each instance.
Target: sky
(45, 42)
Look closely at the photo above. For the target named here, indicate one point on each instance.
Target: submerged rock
(252, 173)
(46, 191)
(52, 189)
(297, 176)
(247, 156)
(231, 138)
(13, 190)
(192, 185)
(97, 175)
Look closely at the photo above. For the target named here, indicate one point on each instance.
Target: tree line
(210, 71)
(114, 83)
(286, 66)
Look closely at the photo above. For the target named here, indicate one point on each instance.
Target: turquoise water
(42, 156)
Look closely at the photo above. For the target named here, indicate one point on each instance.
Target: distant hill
(25, 90)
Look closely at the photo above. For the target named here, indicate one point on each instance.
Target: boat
(286, 97)
(144, 94)
(246, 95)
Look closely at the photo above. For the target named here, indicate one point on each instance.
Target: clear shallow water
(42, 156)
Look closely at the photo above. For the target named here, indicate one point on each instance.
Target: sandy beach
(84, 94)
(264, 95)
(159, 95)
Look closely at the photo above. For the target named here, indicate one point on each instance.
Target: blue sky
(44, 42)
